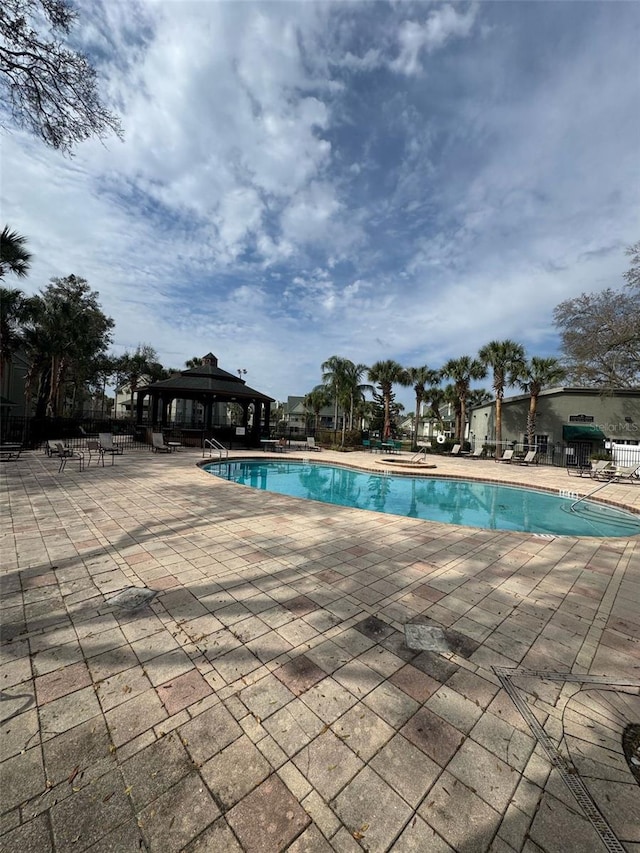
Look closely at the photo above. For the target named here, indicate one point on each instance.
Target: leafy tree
(15, 309)
(600, 335)
(133, 366)
(66, 331)
(315, 401)
(463, 371)
(49, 89)
(537, 374)
(14, 256)
(386, 374)
(632, 275)
(506, 358)
(420, 378)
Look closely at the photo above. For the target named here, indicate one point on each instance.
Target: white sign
(240, 431)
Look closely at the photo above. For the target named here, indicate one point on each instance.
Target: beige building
(571, 423)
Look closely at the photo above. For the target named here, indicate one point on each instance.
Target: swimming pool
(470, 503)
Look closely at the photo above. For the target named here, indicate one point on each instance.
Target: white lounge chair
(528, 459)
(108, 444)
(626, 472)
(478, 453)
(311, 443)
(602, 469)
(455, 450)
(507, 456)
(157, 443)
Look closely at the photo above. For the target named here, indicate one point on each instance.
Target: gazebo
(214, 389)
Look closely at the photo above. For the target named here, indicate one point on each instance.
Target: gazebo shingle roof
(208, 378)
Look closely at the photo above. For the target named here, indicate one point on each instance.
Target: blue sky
(370, 180)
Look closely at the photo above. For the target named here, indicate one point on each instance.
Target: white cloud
(441, 25)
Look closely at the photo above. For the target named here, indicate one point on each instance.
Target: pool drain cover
(132, 597)
(425, 638)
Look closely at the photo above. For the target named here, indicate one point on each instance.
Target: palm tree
(463, 371)
(196, 361)
(354, 388)
(315, 401)
(506, 358)
(14, 257)
(420, 378)
(334, 376)
(536, 375)
(386, 374)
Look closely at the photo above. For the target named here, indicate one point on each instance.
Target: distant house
(571, 423)
(298, 418)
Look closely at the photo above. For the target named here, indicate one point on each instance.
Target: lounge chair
(626, 472)
(528, 459)
(478, 453)
(311, 443)
(157, 443)
(507, 456)
(108, 444)
(65, 453)
(601, 469)
(455, 450)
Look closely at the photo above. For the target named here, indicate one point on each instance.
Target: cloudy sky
(370, 180)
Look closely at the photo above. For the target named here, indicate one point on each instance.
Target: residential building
(571, 423)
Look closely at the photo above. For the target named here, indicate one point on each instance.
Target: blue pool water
(469, 503)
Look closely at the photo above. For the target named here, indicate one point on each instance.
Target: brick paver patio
(265, 700)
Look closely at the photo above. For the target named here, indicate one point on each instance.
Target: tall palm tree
(386, 374)
(14, 256)
(196, 361)
(537, 374)
(463, 371)
(334, 376)
(421, 378)
(506, 358)
(354, 387)
(315, 401)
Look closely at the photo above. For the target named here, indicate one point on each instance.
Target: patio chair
(94, 448)
(51, 447)
(507, 456)
(311, 443)
(157, 443)
(108, 444)
(478, 453)
(528, 459)
(455, 450)
(66, 453)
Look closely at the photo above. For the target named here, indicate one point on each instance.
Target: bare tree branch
(48, 89)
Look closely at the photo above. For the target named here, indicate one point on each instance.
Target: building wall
(12, 387)
(617, 415)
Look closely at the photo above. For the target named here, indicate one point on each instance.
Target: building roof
(208, 378)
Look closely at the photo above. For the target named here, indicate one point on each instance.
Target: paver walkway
(265, 699)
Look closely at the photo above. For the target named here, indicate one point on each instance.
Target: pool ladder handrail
(585, 497)
(214, 444)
